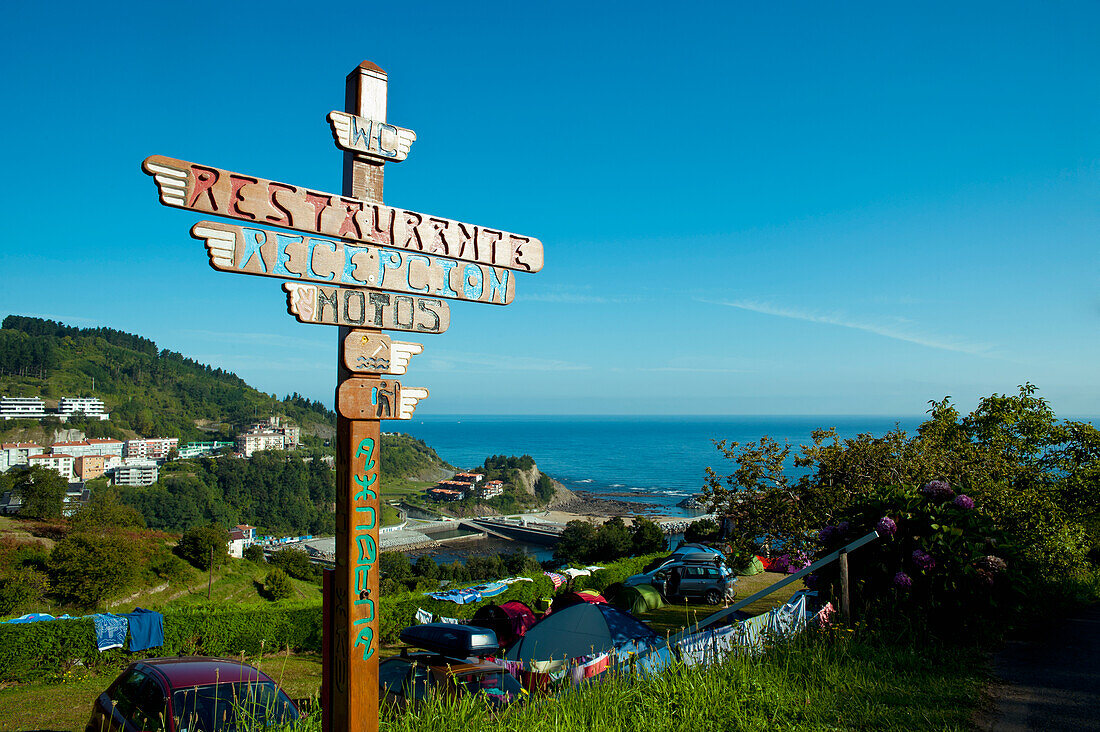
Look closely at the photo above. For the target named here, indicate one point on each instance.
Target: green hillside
(148, 391)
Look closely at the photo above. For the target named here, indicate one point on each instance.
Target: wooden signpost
(365, 267)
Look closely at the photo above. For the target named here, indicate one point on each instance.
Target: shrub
(277, 585)
(938, 561)
(88, 568)
(254, 554)
(295, 563)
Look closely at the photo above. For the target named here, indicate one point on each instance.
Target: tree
(705, 529)
(87, 568)
(427, 568)
(295, 563)
(105, 510)
(197, 545)
(394, 565)
(277, 585)
(576, 542)
(254, 554)
(646, 537)
(612, 541)
(41, 490)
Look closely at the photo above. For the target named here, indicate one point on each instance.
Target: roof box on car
(448, 639)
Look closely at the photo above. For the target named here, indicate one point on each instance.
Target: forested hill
(148, 391)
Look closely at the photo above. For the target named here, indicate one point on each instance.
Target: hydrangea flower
(886, 526)
(827, 534)
(903, 581)
(923, 559)
(937, 490)
(991, 563)
(842, 527)
(963, 501)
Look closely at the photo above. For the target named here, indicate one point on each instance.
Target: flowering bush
(937, 559)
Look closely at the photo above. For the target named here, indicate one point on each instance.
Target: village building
(155, 448)
(22, 408)
(492, 489)
(90, 467)
(90, 407)
(58, 462)
(17, 453)
(139, 473)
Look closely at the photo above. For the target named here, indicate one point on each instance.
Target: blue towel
(31, 618)
(146, 629)
(110, 631)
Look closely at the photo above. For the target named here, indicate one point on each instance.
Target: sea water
(655, 460)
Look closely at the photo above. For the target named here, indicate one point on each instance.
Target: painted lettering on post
(370, 138)
(248, 250)
(264, 202)
(364, 522)
(366, 309)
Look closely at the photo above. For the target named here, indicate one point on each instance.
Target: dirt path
(1051, 682)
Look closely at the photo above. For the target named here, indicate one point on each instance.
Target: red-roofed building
(59, 462)
(469, 478)
(16, 453)
(492, 489)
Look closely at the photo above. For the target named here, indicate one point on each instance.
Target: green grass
(819, 682)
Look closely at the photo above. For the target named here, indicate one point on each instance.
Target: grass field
(64, 703)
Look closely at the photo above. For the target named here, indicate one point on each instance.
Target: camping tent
(638, 599)
(751, 568)
(579, 630)
(509, 621)
(572, 598)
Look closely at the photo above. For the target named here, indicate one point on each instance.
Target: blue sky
(747, 208)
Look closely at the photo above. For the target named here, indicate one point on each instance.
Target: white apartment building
(16, 453)
(143, 472)
(250, 442)
(156, 448)
(22, 408)
(59, 462)
(90, 406)
(96, 446)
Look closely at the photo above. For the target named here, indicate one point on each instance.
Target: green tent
(638, 599)
(753, 567)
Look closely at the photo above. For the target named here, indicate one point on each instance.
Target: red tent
(569, 599)
(509, 621)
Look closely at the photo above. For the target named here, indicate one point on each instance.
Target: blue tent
(579, 630)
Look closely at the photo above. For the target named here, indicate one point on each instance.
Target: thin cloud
(262, 338)
(505, 363)
(899, 330)
(690, 369)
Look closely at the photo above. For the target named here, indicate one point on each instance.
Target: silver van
(690, 579)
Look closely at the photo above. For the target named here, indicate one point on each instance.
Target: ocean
(656, 460)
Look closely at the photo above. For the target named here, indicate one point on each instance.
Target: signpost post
(365, 267)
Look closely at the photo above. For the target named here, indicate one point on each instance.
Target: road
(1051, 682)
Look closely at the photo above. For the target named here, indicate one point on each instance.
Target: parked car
(406, 680)
(453, 665)
(190, 694)
(708, 579)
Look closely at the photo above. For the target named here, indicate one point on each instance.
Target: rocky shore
(591, 504)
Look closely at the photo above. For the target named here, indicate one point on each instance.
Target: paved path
(1051, 682)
